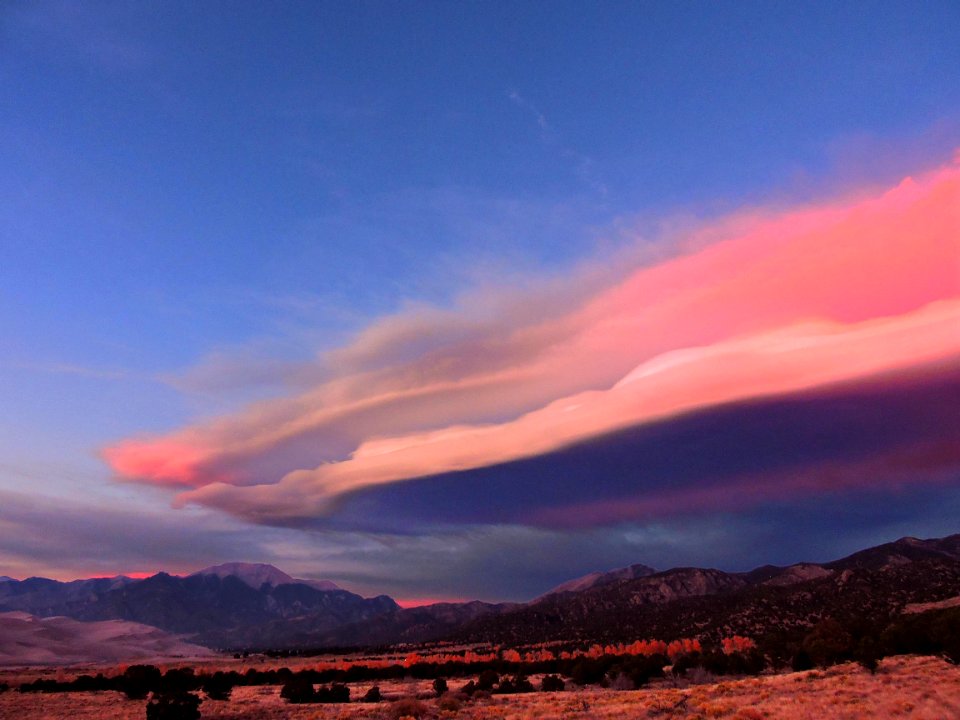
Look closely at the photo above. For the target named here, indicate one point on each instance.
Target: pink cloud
(769, 303)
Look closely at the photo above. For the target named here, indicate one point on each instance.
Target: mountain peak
(256, 574)
(596, 579)
(253, 574)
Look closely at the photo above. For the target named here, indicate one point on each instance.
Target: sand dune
(29, 640)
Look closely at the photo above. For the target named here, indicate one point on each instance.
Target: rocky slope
(871, 586)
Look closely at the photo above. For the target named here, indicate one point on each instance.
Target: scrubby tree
(298, 690)
(828, 643)
(487, 679)
(138, 681)
(552, 683)
(440, 686)
(801, 661)
(336, 693)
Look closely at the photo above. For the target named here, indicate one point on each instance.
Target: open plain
(923, 688)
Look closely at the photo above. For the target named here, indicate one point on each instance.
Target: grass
(919, 688)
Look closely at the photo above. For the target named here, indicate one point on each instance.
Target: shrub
(180, 680)
(449, 703)
(684, 663)
(518, 684)
(336, 693)
(801, 661)
(174, 706)
(4, 687)
(440, 686)
(487, 679)
(298, 690)
(373, 695)
(469, 689)
(868, 654)
(138, 681)
(408, 707)
(588, 672)
(218, 686)
(828, 643)
(552, 683)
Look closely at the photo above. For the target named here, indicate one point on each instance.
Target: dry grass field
(925, 688)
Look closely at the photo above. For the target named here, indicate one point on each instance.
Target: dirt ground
(905, 687)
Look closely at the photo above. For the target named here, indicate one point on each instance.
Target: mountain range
(241, 605)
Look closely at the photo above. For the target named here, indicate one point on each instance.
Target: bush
(518, 684)
(440, 686)
(552, 683)
(449, 703)
(138, 681)
(336, 693)
(588, 672)
(801, 661)
(487, 679)
(868, 654)
(408, 707)
(373, 695)
(828, 643)
(174, 706)
(298, 690)
(469, 689)
(218, 686)
(684, 663)
(180, 680)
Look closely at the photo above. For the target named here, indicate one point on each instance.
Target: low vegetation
(454, 681)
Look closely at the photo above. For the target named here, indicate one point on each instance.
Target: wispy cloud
(771, 302)
(584, 166)
(83, 371)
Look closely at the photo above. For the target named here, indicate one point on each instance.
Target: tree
(552, 683)
(487, 679)
(298, 690)
(336, 693)
(828, 643)
(138, 681)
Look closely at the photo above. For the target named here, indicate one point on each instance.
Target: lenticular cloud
(768, 304)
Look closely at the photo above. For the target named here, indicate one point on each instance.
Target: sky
(463, 300)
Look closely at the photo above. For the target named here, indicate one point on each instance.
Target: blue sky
(202, 199)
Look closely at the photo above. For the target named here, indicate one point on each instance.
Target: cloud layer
(765, 304)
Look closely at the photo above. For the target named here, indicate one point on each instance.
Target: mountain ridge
(249, 605)
(256, 574)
